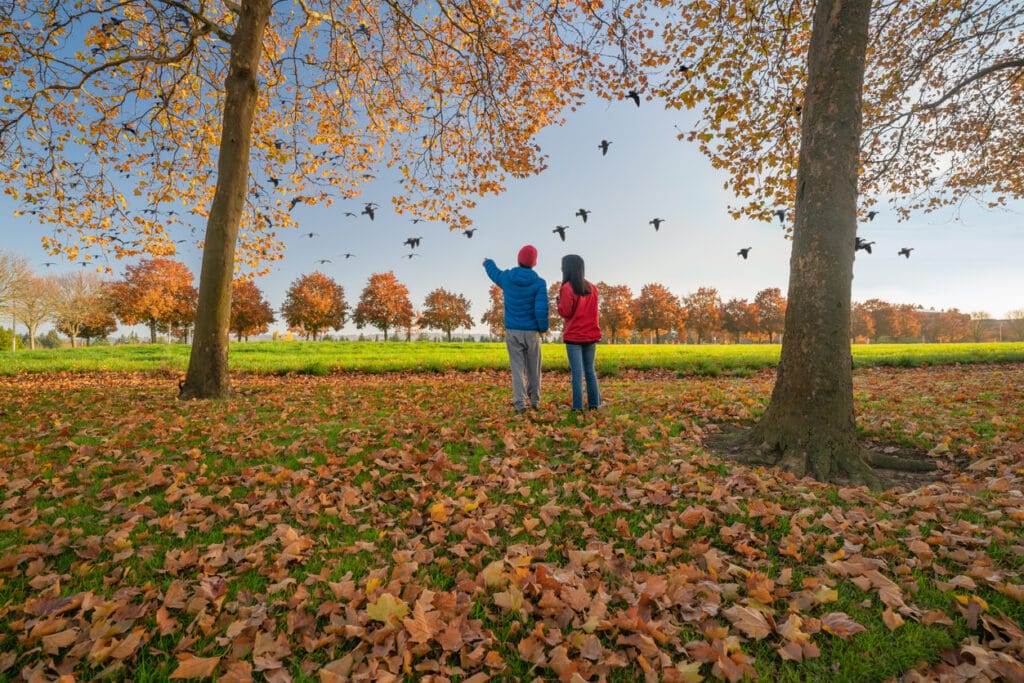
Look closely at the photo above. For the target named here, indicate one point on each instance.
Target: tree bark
(809, 426)
(207, 375)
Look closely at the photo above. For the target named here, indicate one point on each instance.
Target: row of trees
(159, 293)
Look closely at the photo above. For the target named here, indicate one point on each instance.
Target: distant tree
(157, 293)
(494, 316)
(954, 326)
(1016, 322)
(980, 322)
(250, 312)
(861, 324)
(384, 304)
(883, 318)
(615, 310)
(908, 321)
(771, 312)
(556, 323)
(83, 305)
(14, 271)
(445, 311)
(656, 310)
(703, 312)
(34, 303)
(739, 317)
(313, 304)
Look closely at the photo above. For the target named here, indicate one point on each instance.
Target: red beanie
(528, 256)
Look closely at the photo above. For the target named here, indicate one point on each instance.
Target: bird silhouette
(347, 255)
(323, 260)
(350, 213)
(781, 213)
(560, 229)
(862, 244)
(905, 251)
(684, 68)
(311, 235)
(414, 221)
(871, 215)
(582, 213)
(413, 242)
(743, 252)
(635, 96)
(604, 146)
(411, 255)
(656, 222)
(275, 181)
(469, 232)
(294, 201)
(369, 209)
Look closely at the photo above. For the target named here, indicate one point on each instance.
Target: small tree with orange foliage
(157, 293)
(494, 317)
(445, 311)
(656, 310)
(615, 310)
(313, 304)
(250, 312)
(384, 304)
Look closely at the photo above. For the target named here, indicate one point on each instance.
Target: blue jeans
(581, 365)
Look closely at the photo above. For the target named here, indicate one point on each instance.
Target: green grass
(322, 358)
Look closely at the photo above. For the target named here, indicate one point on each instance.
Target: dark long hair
(572, 272)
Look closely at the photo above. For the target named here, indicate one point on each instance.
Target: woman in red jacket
(577, 304)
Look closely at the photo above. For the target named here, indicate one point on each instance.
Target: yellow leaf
(388, 609)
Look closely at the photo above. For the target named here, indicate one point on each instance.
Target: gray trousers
(524, 361)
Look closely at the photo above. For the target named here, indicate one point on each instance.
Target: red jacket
(580, 314)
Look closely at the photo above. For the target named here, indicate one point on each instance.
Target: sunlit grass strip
(323, 358)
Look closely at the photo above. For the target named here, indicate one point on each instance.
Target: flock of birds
(369, 209)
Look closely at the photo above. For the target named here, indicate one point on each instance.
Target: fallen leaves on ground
(391, 527)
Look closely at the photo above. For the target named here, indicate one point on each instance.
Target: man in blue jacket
(526, 319)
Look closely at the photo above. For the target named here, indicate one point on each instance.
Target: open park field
(376, 512)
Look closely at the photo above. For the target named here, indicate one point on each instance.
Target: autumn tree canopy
(313, 304)
(615, 311)
(250, 312)
(83, 307)
(703, 312)
(384, 304)
(157, 293)
(656, 310)
(445, 311)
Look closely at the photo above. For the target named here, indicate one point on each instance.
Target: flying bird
(656, 222)
(582, 213)
(862, 244)
(469, 232)
(413, 242)
(324, 260)
(781, 213)
(350, 213)
(274, 181)
(411, 255)
(560, 229)
(604, 146)
(294, 201)
(369, 209)
(311, 235)
(905, 251)
(871, 215)
(414, 221)
(684, 68)
(743, 252)
(635, 96)
(347, 255)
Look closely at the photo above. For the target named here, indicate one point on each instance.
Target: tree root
(891, 462)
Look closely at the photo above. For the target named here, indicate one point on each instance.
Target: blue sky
(967, 259)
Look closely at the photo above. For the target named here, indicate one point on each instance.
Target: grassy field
(321, 358)
(389, 525)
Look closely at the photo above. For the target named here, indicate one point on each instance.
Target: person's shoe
(520, 411)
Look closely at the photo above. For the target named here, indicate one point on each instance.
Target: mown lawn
(407, 526)
(321, 358)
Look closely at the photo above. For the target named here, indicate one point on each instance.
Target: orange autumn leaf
(190, 666)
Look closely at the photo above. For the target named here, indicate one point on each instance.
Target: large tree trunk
(809, 426)
(207, 375)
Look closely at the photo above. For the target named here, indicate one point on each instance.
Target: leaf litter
(409, 526)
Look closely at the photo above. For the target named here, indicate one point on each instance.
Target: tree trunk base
(856, 466)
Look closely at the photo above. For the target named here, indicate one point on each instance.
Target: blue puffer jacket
(526, 297)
